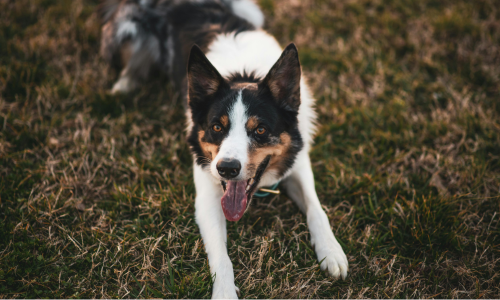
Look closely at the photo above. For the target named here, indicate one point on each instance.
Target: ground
(96, 191)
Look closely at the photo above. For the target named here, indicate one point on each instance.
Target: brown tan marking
(276, 151)
(126, 53)
(210, 150)
(245, 85)
(252, 123)
(224, 120)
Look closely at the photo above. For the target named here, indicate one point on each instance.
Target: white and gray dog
(250, 112)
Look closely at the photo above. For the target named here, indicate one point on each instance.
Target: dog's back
(139, 36)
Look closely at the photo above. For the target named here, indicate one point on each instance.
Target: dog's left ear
(283, 80)
(203, 79)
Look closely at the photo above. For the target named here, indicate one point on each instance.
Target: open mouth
(237, 194)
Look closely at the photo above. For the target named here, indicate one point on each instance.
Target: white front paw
(333, 259)
(224, 289)
(123, 85)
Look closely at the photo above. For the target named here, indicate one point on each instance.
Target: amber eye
(217, 128)
(260, 130)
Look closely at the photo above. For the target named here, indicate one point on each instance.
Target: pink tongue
(234, 200)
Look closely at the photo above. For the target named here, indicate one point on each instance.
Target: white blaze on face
(235, 145)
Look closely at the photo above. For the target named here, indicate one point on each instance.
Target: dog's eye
(260, 130)
(217, 128)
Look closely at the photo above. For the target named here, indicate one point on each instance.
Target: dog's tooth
(251, 182)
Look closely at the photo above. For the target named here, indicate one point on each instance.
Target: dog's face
(245, 129)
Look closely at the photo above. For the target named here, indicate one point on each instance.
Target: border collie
(250, 112)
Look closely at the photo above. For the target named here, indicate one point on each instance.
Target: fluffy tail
(248, 10)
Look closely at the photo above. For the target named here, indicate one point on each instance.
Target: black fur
(198, 24)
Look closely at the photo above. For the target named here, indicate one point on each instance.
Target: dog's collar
(266, 191)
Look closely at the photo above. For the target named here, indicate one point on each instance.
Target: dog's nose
(228, 168)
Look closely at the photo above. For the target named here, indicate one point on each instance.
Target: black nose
(229, 168)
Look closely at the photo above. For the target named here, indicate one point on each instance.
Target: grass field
(96, 191)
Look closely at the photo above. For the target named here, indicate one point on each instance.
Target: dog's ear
(203, 79)
(283, 80)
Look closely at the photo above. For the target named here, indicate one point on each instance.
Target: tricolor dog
(250, 112)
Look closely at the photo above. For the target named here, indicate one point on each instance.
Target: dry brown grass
(97, 195)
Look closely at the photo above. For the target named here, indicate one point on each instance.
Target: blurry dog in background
(250, 112)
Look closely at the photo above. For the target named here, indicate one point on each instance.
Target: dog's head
(245, 128)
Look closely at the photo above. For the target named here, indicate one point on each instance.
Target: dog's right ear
(203, 79)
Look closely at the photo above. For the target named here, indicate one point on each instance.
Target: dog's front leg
(212, 224)
(300, 187)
